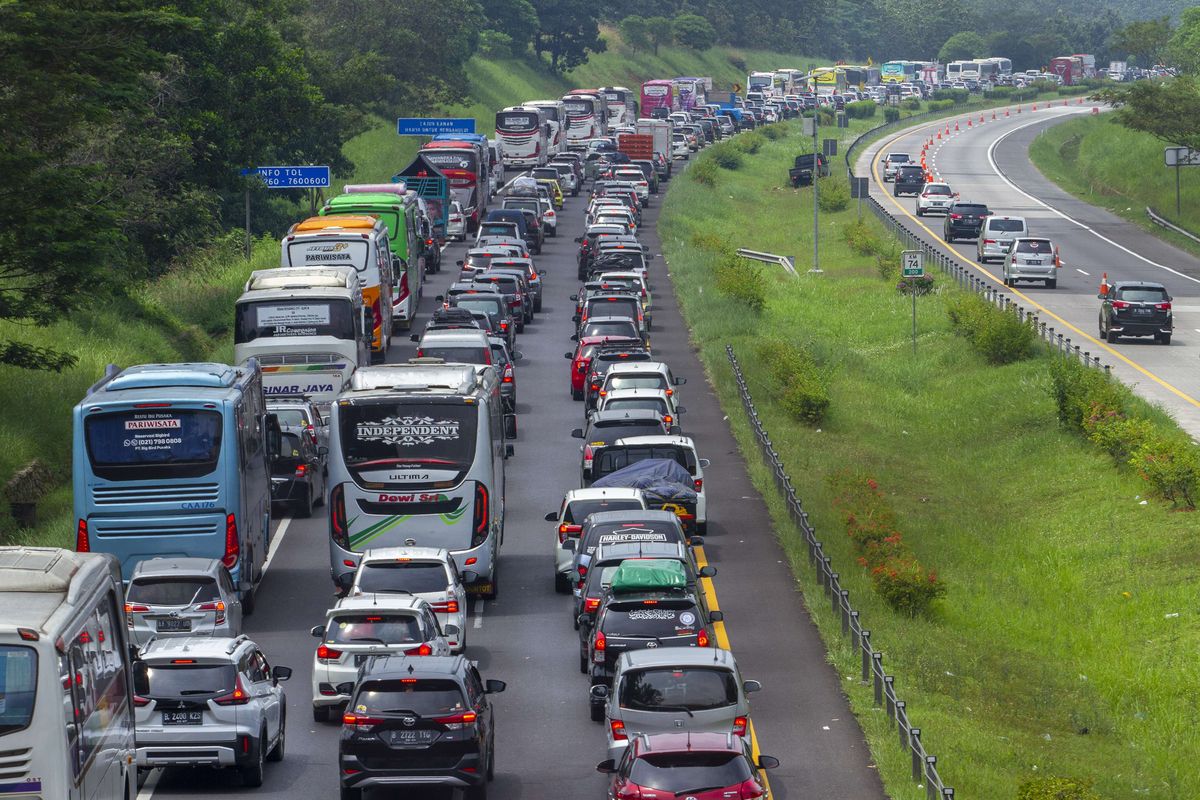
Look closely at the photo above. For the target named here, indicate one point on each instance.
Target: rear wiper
(187, 692)
(368, 640)
(675, 708)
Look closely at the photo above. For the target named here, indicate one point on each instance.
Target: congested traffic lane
(989, 163)
(546, 744)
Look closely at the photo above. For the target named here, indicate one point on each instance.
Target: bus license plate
(173, 625)
(182, 717)
(418, 738)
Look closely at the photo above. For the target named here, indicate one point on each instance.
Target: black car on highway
(298, 474)
(910, 179)
(420, 720)
(964, 221)
(1136, 308)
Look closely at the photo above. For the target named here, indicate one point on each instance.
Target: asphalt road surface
(547, 747)
(989, 163)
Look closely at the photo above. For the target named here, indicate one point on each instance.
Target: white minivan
(997, 235)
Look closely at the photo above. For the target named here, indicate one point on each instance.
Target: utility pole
(816, 262)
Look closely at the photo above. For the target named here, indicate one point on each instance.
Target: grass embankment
(1100, 161)
(1065, 643)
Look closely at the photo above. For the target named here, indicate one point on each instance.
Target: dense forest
(126, 123)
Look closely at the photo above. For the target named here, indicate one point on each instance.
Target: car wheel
(576, 395)
(321, 713)
(1111, 336)
(949, 239)
(596, 712)
(305, 506)
(1162, 338)
(252, 774)
(583, 660)
(561, 584)
(276, 753)
(351, 794)
(249, 601)
(521, 325)
(920, 213)
(478, 792)
(1052, 284)
(1006, 280)
(537, 305)
(495, 583)
(702, 528)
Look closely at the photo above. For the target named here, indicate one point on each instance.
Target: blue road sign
(291, 177)
(432, 126)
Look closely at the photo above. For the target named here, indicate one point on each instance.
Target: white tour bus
(66, 708)
(525, 134)
(308, 328)
(556, 119)
(417, 456)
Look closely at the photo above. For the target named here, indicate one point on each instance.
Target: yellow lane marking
(722, 636)
(967, 259)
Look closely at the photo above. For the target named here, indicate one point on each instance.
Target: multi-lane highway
(547, 747)
(988, 162)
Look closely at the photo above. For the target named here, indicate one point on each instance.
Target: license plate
(172, 625)
(416, 738)
(182, 717)
(1034, 262)
(1141, 312)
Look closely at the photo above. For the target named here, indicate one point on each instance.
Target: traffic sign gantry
(432, 126)
(296, 177)
(912, 263)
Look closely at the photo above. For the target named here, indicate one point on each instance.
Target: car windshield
(414, 695)
(1143, 294)
(578, 510)
(933, 189)
(651, 619)
(176, 680)
(18, 687)
(1040, 246)
(694, 688)
(402, 575)
(373, 628)
(172, 591)
(1006, 225)
(680, 773)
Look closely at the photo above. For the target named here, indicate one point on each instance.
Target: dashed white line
(478, 623)
(276, 541)
(1081, 272)
(147, 790)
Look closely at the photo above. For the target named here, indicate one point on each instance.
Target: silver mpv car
(202, 701)
(670, 690)
(181, 597)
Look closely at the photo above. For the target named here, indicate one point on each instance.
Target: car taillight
(83, 542)
(480, 529)
(750, 789)
(457, 722)
(739, 725)
(218, 607)
(592, 604)
(360, 722)
(238, 697)
(1163, 306)
(582, 570)
(337, 517)
(508, 373)
(667, 419)
(233, 546)
(698, 483)
(445, 607)
(956, 216)
(989, 241)
(131, 608)
(1120, 304)
(600, 646)
(327, 654)
(423, 650)
(618, 730)
(630, 791)
(588, 455)
(141, 702)
(301, 470)
(702, 638)
(503, 325)
(565, 531)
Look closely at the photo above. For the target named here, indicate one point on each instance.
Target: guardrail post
(826, 567)
(877, 676)
(900, 724)
(947, 793)
(844, 602)
(831, 590)
(931, 791)
(889, 694)
(865, 644)
(914, 744)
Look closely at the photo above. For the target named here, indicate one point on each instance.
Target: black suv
(1136, 308)
(910, 179)
(418, 720)
(964, 221)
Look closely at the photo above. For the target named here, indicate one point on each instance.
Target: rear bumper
(224, 753)
(468, 772)
(1137, 328)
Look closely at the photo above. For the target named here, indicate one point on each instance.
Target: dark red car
(581, 359)
(704, 766)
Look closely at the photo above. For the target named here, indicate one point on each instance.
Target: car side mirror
(281, 674)
(318, 632)
(708, 571)
(704, 463)
(574, 297)
(569, 544)
(610, 766)
(458, 263)
(567, 356)
(576, 433)
(344, 581)
(451, 630)
(574, 318)
(578, 239)
(680, 410)
(274, 435)
(584, 621)
(599, 692)
(509, 451)
(574, 337)
(552, 516)
(492, 686)
(680, 381)
(517, 355)
(749, 687)
(696, 541)
(716, 616)
(415, 337)
(768, 762)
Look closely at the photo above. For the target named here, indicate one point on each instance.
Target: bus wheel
(248, 601)
(304, 507)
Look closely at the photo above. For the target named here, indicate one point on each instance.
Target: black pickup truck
(802, 173)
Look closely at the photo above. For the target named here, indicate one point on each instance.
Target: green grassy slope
(1108, 165)
(379, 153)
(1064, 644)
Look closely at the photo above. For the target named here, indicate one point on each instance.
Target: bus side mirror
(367, 322)
(274, 435)
(141, 678)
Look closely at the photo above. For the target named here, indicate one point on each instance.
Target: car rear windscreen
(1006, 225)
(684, 772)
(694, 688)
(625, 328)
(1142, 294)
(963, 208)
(639, 403)
(419, 696)
(612, 460)
(578, 510)
(382, 627)
(638, 381)
(415, 577)
(1033, 246)
(457, 355)
(655, 618)
(172, 591)
(174, 681)
(614, 307)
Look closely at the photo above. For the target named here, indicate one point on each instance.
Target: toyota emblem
(651, 644)
(408, 721)
(678, 723)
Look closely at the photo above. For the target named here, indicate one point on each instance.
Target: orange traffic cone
(956, 126)
(994, 113)
(1104, 284)
(970, 124)
(939, 135)
(1035, 106)
(1095, 110)
(1006, 112)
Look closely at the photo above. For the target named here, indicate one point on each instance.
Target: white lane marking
(147, 790)
(277, 540)
(478, 623)
(991, 157)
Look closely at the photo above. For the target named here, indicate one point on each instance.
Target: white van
(308, 328)
(63, 643)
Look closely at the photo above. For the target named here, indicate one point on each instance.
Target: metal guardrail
(924, 765)
(1162, 221)
(787, 262)
(963, 274)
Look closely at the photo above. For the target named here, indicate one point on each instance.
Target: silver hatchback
(997, 235)
(674, 690)
(1032, 259)
(181, 597)
(202, 701)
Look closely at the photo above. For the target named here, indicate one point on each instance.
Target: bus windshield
(518, 121)
(284, 318)
(18, 687)
(387, 432)
(160, 443)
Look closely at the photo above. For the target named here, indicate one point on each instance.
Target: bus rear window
(18, 687)
(166, 443)
(283, 318)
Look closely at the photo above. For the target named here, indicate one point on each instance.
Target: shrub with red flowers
(871, 524)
